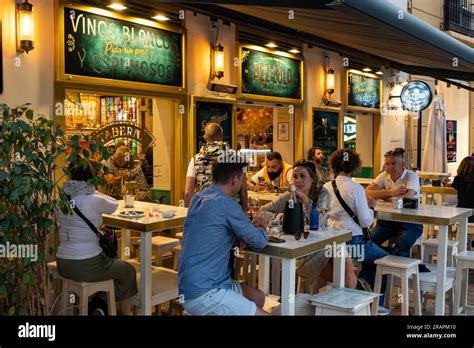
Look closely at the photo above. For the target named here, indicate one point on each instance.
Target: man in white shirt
(275, 173)
(396, 181)
(199, 174)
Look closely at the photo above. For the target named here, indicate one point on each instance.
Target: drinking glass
(254, 206)
(154, 209)
(323, 209)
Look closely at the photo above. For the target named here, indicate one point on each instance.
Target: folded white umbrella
(435, 152)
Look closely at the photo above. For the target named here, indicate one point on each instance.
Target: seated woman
(464, 184)
(315, 265)
(79, 256)
(344, 163)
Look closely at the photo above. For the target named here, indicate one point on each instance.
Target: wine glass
(254, 206)
(323, 209)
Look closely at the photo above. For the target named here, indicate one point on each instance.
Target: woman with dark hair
(464, 184)
(79, 255)
(345, 163)
(308, 191)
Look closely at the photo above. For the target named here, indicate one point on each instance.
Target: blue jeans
(371, 252)
(406, 234)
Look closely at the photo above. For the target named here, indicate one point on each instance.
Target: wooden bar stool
(402, 268)
(465, 262)
(84, 290)
(430, 249)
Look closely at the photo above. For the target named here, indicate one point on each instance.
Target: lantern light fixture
(25, 27)
(218, 61)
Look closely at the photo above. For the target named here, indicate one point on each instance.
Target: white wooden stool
(84, 290)
(430, 248)
(403, 268)
(465, 262)
(164, 287)
(176, 252)
(161, 245)
(343, 301)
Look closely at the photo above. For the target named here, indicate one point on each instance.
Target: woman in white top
(79, 255)
(344, 163)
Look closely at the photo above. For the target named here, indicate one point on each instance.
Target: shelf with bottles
(116, 109)
(82, 111)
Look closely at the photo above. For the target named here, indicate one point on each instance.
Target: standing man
(199, 175)
(316, 155)
(275, 173)
(213, 224)
(396, 181)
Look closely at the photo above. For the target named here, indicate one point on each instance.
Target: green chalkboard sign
(213, 112)
(99, 46)
(271, 75)
(363, 91)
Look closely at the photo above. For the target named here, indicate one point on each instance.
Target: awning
(376, 28)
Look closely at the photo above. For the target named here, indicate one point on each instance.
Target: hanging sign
(270, 75)
(104, 47)
(416, 96)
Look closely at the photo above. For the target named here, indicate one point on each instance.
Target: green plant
(29, 195)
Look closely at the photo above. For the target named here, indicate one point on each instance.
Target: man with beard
(316, 155)
(275, 173)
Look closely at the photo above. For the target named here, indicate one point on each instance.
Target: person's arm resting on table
(241, 226)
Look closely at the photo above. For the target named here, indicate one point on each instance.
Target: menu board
(99, 46)
(451, 140)
(206, 112)
(325, 130)
(363, 91)
(271, 75)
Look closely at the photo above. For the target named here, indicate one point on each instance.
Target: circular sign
(416, 96)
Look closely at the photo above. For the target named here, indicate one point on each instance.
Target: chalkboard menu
(363, 91)
(325, 130)
(206, 112)
(99, 46)
(271, 75)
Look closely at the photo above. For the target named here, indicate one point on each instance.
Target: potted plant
(29, 196)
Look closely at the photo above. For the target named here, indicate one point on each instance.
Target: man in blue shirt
(213, 224)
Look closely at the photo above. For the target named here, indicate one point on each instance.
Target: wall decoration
(283, 131)
(416, 96)
(270, 75)
(364, 91)
(451, 140)
(104, 47)
(325, 130)
(219, 112)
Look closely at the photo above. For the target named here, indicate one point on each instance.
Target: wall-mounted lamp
(330, 81)
(25, 27)
(217, 67)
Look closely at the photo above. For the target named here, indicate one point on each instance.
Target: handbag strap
(344, 204)
(87, 221)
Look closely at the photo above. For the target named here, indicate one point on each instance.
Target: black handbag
(365, 230)
(107, 238)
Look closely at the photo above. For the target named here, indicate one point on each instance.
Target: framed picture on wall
(283, 131)
(326, 130)
(1, 60)
(363, 91)
(451, 140)
(208, 110)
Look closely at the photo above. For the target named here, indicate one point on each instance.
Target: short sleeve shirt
(408, 178)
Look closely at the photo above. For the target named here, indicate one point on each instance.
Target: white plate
(132, 213)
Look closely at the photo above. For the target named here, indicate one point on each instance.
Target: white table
(435, 215)
(264, 197)
(292, 250)
(146, 226)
